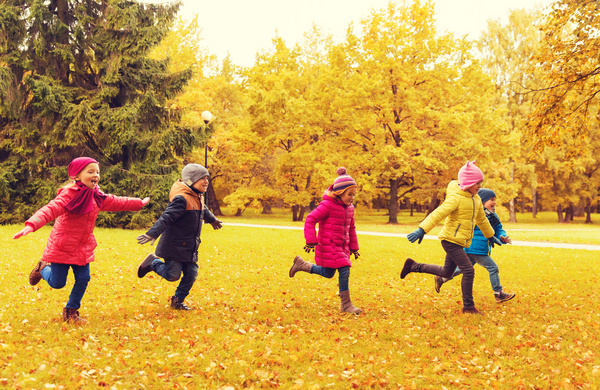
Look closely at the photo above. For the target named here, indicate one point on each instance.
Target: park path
(430, 237)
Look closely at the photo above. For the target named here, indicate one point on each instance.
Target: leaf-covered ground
(254, 327)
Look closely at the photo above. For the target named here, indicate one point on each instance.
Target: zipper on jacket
(456, 231)
(473, 217)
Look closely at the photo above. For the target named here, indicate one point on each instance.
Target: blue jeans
(172, 270)
(56, 276)
(488, 263)
(344, 274)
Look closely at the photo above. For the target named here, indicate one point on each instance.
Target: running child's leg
(346, 304)
(457, 255)
(82, 278)
(56, 274)
(190, 273)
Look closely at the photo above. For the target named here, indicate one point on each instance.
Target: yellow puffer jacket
(463, 211)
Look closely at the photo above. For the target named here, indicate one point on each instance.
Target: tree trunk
(212, 201)
(534, 203)
(238, 213)
(588, 210)
(511, 205)
(393, 205)
(295, 212)
(433, 204)
(301, 216)
(559, 212)
(412, 207)
(513, 215)
(266, 208)
(569, 213)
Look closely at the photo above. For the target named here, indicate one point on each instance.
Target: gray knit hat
(191, 173)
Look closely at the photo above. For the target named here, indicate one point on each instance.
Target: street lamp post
(206, 117)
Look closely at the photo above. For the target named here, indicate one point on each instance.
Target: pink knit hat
(78, 164)
(469, 175)
(342, 182)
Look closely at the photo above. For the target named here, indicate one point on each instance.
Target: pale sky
(243, 28)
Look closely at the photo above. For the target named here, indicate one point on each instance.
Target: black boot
(146, 265)
(178, 304)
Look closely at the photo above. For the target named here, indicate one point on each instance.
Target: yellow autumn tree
(568, 66)
(407, 105)
(508, 52)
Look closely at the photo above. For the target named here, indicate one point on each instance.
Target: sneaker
(178, 304)
(146, 265)
(470, 310)
(36, 274)
(503, 297)
(438, 283)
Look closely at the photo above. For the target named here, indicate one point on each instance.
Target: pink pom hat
(342, 182)
(469, 175)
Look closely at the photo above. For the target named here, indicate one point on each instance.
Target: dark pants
(455, 257)
(172, 270)
(344, 274)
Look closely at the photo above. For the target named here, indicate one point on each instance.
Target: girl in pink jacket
(71, 243)
(336, 239)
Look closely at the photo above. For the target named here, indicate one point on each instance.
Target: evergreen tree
(75, 79)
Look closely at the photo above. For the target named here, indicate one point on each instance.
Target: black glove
(144, 238)
(494, 241)
(309, 248)
(217, 225)
(356, 254)
(416, 235)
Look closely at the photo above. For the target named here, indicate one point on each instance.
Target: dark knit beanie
(486, 194)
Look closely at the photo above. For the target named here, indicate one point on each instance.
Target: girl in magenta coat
(336, 239)
(71, 243)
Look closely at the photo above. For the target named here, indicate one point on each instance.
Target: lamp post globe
(206, 116)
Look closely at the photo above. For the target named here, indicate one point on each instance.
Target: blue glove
(416, 235)
(494, 241)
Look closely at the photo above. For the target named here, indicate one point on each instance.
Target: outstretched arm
(25, 231)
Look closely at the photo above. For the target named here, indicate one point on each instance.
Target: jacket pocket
(185, 243)
(457, 229)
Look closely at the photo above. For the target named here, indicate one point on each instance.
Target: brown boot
(299, 265)
(36, 274)
(347, 306)
(72, 315)
(177, 304)
(409, 266)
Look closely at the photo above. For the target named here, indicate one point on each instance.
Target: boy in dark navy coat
(180, 226)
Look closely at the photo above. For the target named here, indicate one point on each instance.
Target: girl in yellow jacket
(462, 209)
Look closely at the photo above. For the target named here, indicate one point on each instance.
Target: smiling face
(90, 175)
(348, 196)
(202, 184)
(474, 188)
(490, 204)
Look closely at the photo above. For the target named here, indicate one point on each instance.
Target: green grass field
(254, 327)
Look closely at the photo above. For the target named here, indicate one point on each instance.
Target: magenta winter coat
(72, 240)
(337, 233)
